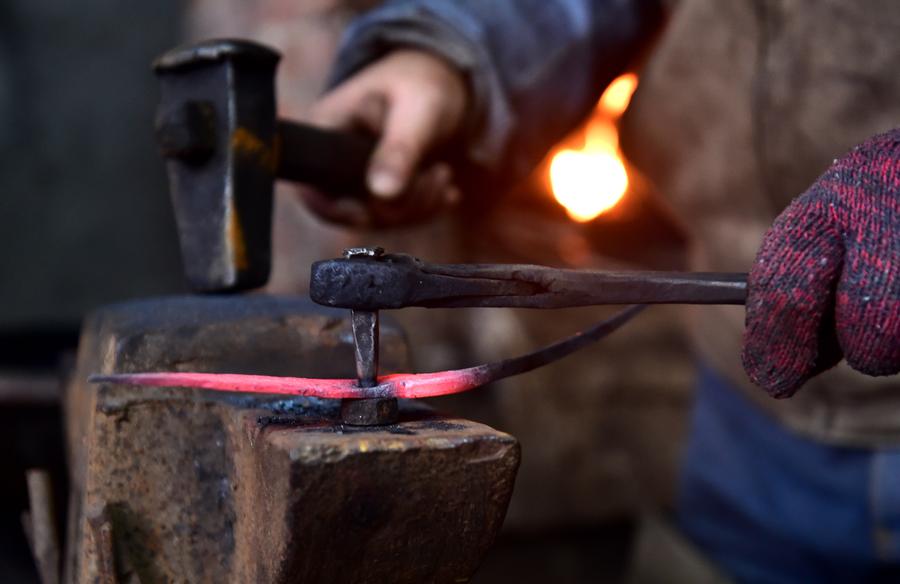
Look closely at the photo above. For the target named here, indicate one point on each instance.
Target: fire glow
(591, 180)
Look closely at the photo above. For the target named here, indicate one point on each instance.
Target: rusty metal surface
(200, 486)
(217, 130)
(418, 501)
(216, 99)
(398, 281)
(102, 554)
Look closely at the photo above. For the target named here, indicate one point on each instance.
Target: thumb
(411, 128)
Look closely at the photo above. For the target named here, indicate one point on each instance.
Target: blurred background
(85, 215)
(87, 222)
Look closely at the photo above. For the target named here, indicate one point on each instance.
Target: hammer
(217, 130)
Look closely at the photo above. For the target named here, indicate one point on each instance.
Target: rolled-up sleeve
(535, 67)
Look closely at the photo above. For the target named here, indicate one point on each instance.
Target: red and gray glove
(826, 282)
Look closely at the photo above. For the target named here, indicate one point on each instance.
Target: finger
(432, 183)
(335, 108)
(425, 197)
(868, 303)
(410, 128)
(364, 112)
(355, 104)
(788, 338)
(429, 192)
(428, 189)
(342, 211)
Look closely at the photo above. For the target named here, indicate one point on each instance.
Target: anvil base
(189, 485)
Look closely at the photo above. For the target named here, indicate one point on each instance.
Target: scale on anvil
(217, 129)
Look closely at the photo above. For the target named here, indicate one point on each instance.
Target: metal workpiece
(397, 281)
(373, 411)
(398, 385)
(380, 411)
(365, 337)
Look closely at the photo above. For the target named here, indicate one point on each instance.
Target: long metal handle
(397, 281)
(568, 288)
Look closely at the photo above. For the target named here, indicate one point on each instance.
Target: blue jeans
(767, 505)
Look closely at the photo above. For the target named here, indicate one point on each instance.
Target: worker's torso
(742, 106)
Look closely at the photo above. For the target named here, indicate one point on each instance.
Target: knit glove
(826, 282)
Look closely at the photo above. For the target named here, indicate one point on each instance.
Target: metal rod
(390, 386)
(372, 411)
(378, 411)
(365, 345)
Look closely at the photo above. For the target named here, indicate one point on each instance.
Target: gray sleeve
(535, 67)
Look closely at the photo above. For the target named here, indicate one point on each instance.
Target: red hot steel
(401, 385)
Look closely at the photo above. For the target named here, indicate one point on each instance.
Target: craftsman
(740, 107)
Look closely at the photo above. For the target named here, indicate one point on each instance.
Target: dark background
(84, 211)
(84, 207)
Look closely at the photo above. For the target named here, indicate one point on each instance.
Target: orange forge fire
(591, 180)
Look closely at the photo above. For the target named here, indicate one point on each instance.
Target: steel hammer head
(216, 127)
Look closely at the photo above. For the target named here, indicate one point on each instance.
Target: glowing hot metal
(403, 385)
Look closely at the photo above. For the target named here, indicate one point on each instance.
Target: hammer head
(216, 128)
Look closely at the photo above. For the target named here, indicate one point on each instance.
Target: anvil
(366, 281)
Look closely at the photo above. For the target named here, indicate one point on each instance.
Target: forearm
(535, 67)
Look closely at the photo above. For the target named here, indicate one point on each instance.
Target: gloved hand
(413, 101)
(826, 282)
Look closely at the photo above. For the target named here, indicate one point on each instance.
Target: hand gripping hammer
(217, 130)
